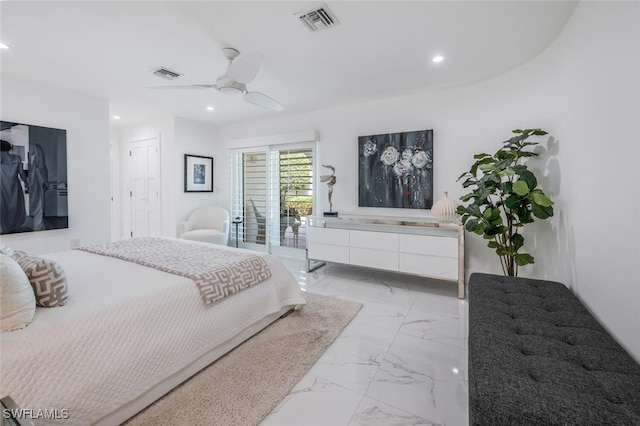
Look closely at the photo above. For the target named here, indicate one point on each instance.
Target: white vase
(445, 209)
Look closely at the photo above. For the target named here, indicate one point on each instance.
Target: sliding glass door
(272, 193)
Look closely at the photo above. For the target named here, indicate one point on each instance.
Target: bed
(128, 334)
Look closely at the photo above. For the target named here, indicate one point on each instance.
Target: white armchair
(208, 224)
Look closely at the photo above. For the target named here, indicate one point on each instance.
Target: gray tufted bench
(538, 357)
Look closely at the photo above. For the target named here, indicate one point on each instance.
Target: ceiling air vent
(318, 18)
(166, 74)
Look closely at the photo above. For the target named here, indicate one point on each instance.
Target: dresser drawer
(373, 258)
(338, 237)
(328, 252)
(428, 245)
(380, 240)
(433, 266)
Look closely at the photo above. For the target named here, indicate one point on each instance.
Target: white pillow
(17, 301)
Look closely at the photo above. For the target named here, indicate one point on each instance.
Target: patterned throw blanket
(216, 272)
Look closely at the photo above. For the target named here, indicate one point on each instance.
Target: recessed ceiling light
(116, 117)
(3, 46)
(438, 58)
(209, 108)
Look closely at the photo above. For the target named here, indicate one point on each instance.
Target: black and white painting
(198, 173)
(34, 178)
(396, 170)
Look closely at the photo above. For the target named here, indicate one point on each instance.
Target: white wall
(196, 139)
(177, 136)
(162, 128)
(86, 120)
(584, 91)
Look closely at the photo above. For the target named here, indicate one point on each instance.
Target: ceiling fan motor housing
(229, 86)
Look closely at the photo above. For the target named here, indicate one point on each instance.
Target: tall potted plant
(504, 197)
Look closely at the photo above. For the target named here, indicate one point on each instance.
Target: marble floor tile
(381, 315)
(375, 413)
(435, 327)
(355, 356)
(436, 360)
(442, 304)
(441, 402)
(401, 361)
(315, 402)
(377, 291)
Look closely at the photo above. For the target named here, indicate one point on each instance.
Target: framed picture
(198, 173)
(396, 170)
(34, 178)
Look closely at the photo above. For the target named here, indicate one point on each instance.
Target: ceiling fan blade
(186, 87)
(262, 100)
(244, 68)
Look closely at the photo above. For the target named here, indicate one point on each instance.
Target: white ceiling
(379, 49)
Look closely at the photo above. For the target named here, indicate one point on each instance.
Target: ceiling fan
(240, 71)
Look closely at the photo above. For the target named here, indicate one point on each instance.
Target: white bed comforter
(124, 329)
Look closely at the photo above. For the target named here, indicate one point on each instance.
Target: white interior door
(145, 188)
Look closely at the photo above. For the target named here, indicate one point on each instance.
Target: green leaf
(513, 201)
(540, 199)
(492, 244)
(524, 214)
(541, 212)
(517, 240)
(471, 225)
(508, 172)
(530, 178)
(481, 156)
(466, 197)
(523, 259)
(486, 167)
(521, 188)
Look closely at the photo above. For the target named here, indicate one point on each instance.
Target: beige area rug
(243, 387)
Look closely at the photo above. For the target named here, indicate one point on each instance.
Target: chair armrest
(186, 226)
(225, 227)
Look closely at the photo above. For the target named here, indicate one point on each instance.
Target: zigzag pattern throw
(217, 272)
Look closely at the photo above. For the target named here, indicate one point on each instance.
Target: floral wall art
(396, 170)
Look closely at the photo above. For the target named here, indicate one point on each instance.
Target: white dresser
(411, 246)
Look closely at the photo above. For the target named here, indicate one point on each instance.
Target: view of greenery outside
(296, 183)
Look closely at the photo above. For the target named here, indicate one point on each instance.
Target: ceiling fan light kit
(242, 69)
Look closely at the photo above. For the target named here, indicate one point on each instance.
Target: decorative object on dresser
(396, 170)
(410, 246)
(538, 357)
(445, 209)
(331, 180)
(505, 197)
(198, 173)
